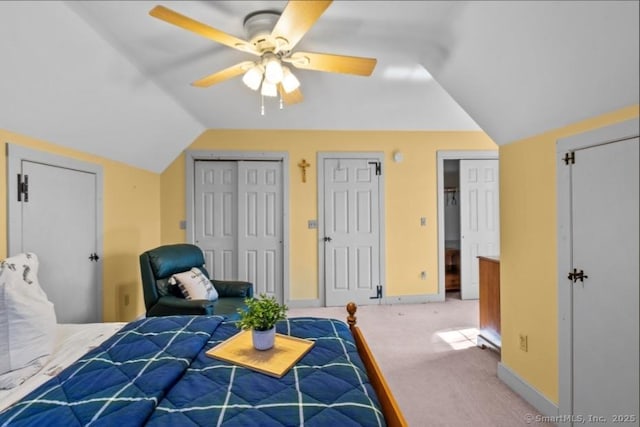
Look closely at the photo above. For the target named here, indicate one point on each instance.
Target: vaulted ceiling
(106, 78)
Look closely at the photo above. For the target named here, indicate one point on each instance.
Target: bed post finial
(351, 318)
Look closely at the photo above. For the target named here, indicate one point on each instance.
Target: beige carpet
(436, 372)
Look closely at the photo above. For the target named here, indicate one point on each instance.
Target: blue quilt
(155, 372)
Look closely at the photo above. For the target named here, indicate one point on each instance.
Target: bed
(154, 371)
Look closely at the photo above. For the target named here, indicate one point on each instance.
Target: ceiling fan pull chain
(262, 105)
(281, 104)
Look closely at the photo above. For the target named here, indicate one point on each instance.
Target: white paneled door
(351, 241)
(260, 225)
(238, 221)
(57, 218)
(216, 216)
(479, 220)
(604, 245)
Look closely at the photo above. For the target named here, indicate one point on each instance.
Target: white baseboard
(527, 392)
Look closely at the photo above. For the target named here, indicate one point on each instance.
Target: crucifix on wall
(304, 165)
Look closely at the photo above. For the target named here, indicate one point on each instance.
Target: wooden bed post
(390, 409)
(351, 318)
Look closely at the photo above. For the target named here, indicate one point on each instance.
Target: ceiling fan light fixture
(289, 81)
(269, 89)
(273, 72)
(253, 77)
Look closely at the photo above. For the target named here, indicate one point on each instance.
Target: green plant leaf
(261, 314)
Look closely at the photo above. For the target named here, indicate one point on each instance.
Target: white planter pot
(263, 340)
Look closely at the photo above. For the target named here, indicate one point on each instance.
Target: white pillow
(27, 320)
(194, 285)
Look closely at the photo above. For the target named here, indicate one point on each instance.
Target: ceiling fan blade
(201, 29)
(226, 74)
(332, 63)
(297, 18)
(292, 97)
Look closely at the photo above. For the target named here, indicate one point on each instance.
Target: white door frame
(191, 156)
(321, 156)
(441, 156)
(621, 131)
(15, 155)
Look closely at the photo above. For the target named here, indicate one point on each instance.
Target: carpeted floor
(436, 372)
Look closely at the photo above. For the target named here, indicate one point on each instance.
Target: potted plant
(261, 316)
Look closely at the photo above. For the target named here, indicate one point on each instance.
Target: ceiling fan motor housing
(258, 27)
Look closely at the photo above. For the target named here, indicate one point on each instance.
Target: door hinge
(94, 257)
(23, 188)
(577, 275)
(569, 157)
(378, 166)
(378, 292)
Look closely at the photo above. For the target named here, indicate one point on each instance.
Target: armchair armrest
(170, 305)
(231, 288)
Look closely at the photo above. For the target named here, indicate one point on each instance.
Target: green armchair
(160, 299)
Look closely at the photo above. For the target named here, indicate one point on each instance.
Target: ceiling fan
(272, 36)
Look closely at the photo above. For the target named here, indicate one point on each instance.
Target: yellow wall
(410, 193)
(528, 266)
(131, 223)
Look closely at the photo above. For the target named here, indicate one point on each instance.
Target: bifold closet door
(260, 226)
(216, 213)
(238, 221)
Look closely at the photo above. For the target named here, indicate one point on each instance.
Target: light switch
(183, 225)
(423, 221)
(313, 224)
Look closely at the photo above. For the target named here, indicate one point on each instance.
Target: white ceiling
(106, 78)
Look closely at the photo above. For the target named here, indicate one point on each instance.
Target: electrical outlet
(126, 300)
(524, 343)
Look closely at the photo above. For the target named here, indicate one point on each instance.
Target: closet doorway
(236, 215)
(452, 228)
(468, 219)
